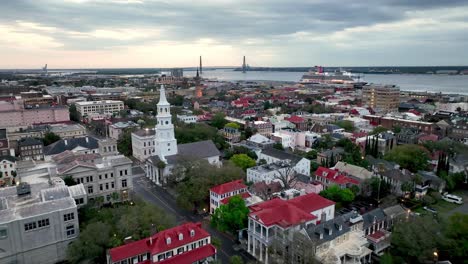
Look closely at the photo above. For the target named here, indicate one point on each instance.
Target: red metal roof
(291, 212)
(192, 256)
(295, 119)
(158, 243)
(335, 176)
(228, 187)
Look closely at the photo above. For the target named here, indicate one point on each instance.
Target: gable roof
(353, 170)
(334, 176)
(260, 139)
(70, 144)
(288, 213)
(282, 155)
(199, 150)
(158, 242)
(229, 187)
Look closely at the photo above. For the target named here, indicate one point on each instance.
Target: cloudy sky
(167, 33)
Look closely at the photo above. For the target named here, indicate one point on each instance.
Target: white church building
(166, 151)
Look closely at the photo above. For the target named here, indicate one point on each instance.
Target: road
(156, 195)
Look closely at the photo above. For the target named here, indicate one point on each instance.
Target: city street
(156, 195)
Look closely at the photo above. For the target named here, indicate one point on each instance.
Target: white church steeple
(165, 142)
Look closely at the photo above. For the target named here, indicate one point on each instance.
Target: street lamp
(436, 256)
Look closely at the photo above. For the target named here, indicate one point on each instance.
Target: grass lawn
(442, 207)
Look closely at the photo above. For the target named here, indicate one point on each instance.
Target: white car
(452, 198)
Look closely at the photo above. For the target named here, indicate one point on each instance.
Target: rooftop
(229, 187)
(160, 242)
(289, 213)
(335, 176)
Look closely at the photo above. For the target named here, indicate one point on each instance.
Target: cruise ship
(317, 75)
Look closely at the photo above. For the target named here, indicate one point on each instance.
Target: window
(79, 201)
(100, 176)
(180, 250)
(30, 226)
(192, 233)
(105, 176)
(121, 173)
(3, 233)
(124, 183)
(168, 241)
(112, 185)
(43, 223)
(112, 174)
(100, 187)
(181, 236)
(70, 230)
(68, 217)
(126, 172)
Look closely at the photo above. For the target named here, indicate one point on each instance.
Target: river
(407, 82)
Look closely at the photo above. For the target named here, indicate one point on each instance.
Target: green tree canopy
(192, 180)
(378, 130)
(188, 133)
(347, 125)
(218, 120)
(74, 116)
(410, 157)
(243, 161)
(232, 125)
(49, 138)
(236, 260)
(335, 193)
(231, 216)
(124, 143)
(278, 145)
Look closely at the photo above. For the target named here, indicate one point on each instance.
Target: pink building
(12, 117)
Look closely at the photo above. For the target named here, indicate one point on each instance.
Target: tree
(141, 123)
(278, 145)
(410, 157)
(192, 180)
(74, 115)
(236, 260)
(124, 143)
(335, 193)
(113, 225)
(416, 240)
(231, 216)
(49, 138)
(218, 120)
(378, 130)
(311, 155)
(347, 125)
(232, 125)
(240, 150)
(69, 181)
(188, 133)
(243, 161)
(325, 142)
(456, 232)
(266, 105)
(386, 259)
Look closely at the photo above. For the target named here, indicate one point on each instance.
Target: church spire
(162, 96)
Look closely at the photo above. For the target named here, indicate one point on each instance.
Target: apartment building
(187, 243)
(38, 221)
(221, 193)
(280, 219)
(143, 143)
(107, 107)
(31, 149)
(381, 98)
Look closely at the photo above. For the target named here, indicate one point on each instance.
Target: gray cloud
(225, 21)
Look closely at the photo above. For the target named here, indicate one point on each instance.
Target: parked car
(452, 198)
(430, 209)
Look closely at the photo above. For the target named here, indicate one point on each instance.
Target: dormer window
(192, 233)
(168, 240)
(340, 227)
(181, 236)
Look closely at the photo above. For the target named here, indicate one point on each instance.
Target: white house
(220, 194)
(7, 170)
(143, 145)
(271, 155)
